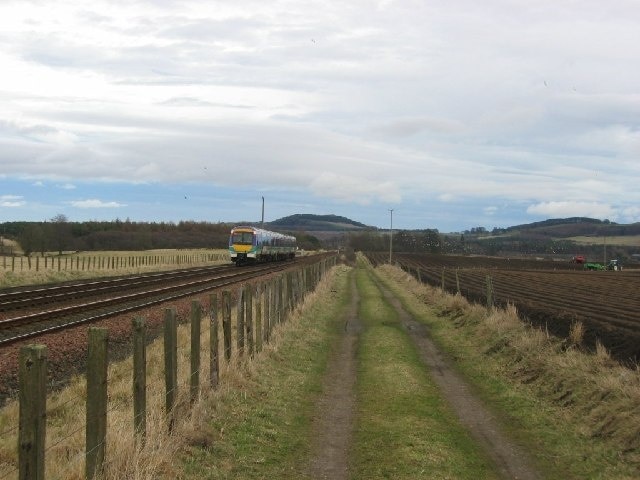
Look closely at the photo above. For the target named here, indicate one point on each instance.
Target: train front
(243, 246)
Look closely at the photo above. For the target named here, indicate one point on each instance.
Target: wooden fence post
(214, 366)
(196, 318)
(226, 323)
(170, 363)
(457, 282)
(267, 311)
(240, 321)
(489, 292)
(32, 412)
(259, 332)
(442, 282)
(279, 302)
(96, 424)
(139, 378)
(248, 312)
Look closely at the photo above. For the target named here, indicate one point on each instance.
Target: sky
(446, 114)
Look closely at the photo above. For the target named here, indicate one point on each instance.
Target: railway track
(85, 302)
(27, 297)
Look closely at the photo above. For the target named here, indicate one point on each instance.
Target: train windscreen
(242, 238)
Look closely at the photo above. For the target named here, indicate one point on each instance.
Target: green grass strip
(405, 429)
(260, 425)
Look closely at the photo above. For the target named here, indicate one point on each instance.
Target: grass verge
(252, 426)
(576, 412)
(405, 429)
(259, 426)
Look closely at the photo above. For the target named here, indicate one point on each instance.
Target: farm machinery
(613, 265)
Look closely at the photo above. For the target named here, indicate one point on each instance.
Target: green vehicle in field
(612, 265)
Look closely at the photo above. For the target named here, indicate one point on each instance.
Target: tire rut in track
(333, 422)
(510, 460)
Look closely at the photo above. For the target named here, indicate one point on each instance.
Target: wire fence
(75, 262)
(272, 301)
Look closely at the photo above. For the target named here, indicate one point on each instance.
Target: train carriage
(250, 244)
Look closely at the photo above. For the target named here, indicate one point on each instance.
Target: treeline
(431, 241)
(60, 235)
(425, 241)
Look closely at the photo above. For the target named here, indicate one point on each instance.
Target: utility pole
(391, 236)
(262, 221)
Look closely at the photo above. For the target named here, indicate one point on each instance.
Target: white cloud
(490, 210)
(353, 189)
(573, 209)
(95, 203)
(446, 197)
(11, 201)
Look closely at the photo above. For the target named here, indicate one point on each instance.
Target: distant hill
(574, 227)
(317, 223)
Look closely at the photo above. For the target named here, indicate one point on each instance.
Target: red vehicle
(579, 259)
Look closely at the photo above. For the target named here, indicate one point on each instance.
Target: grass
(215, 423)
(404, 429)
(576, 412)
(260, 425)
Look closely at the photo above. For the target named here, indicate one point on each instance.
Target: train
(251, 244)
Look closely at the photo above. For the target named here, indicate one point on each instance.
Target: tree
(31, 238)
(60, 232)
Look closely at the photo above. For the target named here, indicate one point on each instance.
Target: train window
(242, 238)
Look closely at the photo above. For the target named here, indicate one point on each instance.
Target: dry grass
(576, 333)
(51, 274)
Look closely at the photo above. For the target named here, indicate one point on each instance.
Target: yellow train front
(250, 244)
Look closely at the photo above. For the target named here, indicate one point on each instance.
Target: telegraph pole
(262, 221)
(391, 236)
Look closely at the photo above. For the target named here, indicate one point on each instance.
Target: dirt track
(335, 414)
(333, 421)
(607, 303)
(511, 460)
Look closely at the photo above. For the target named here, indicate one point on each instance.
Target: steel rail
(16, 299)
(180, 291)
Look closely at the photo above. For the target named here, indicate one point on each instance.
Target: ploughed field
(549, 294)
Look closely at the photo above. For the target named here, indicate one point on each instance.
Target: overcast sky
(454, 114)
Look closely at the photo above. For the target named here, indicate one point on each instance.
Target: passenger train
(250, 244)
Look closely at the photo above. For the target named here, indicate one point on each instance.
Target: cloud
(353, 189)
(95, 203)
(490, 210)
(11, 201)
(406, 127)
(573, 209)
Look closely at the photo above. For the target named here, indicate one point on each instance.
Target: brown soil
(333, 420)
